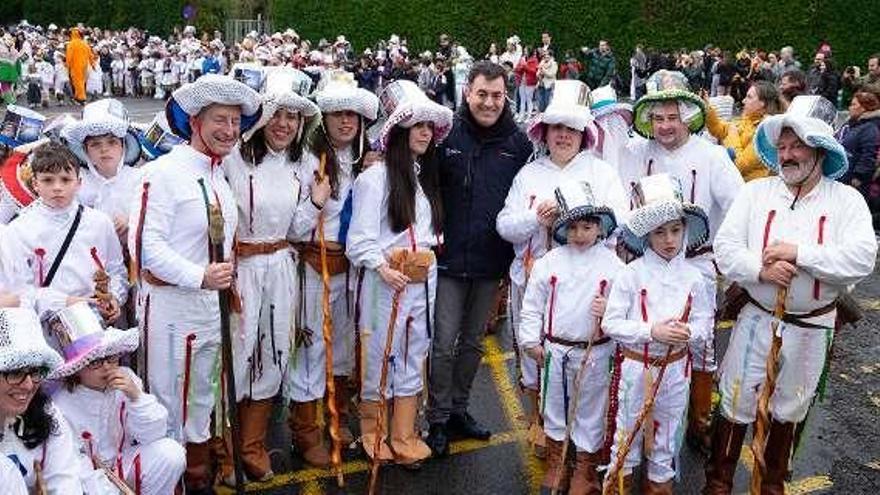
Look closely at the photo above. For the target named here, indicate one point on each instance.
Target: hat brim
(625, 110)
(113, 342)
(577, 119)
(608, 222)
(410, 113)
(292, 102)
(643, 125)
(814, 132)
(357, 100)
(634, 233)
(178, 120)
(131, 147)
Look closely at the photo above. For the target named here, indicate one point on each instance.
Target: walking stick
(216, 236)
(336, 451)
(759, 439)
(578, 378)
(383, 384)
(647, 406)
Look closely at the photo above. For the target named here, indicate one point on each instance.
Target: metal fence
(237, 29)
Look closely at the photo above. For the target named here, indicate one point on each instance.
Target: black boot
(465, 426)
(438, 439)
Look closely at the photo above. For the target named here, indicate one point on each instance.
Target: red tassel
(687, 366)
(96, 259)
(643, 303)
(186, 372)
(816, 288)
(87, 437)
(650, 166)
(137, 474)
(770, 216)
(552, 303)
(40, 253)
(139, 233)
(602, 285)
(412, 238)
(121, 441)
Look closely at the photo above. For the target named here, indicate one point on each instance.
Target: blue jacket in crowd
(861, 139)
(477, 167)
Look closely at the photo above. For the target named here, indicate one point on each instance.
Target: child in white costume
(117, 425)
(563, 304)
(566, 129)
(658, 306)
(391, 238)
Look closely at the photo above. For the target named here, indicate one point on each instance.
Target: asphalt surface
(839, 454)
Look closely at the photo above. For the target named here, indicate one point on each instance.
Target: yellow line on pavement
(311, 488)
(802, 486)
(507, 394)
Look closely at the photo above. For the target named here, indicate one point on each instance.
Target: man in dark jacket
(478, 162)
(601, 65)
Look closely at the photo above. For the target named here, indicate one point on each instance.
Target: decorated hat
(20, 126)
(107, 116)
(404, 104)
(286, 88)
(21, 342)
(157, 139)
(659, 200)
(77, 333)
(15, 179)
(810, 117)
(604, 102)
(569, 106)
(665, 85)
(576, 202)
(188, 100)
(338, 91)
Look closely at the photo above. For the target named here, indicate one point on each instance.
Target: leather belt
(655, 361)
(580, 344)
(248, 249)
(151, 279)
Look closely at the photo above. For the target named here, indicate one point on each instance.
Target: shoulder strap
(64, 246)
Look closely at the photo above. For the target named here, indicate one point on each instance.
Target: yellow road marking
(802, 486)
(311, 488)
(870, 304)
(510, 402)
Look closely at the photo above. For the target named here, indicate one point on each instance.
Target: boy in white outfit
(559, 327)
(117, 425)
(658, 306)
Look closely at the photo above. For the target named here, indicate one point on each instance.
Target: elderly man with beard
(801, 234)
(478, 162)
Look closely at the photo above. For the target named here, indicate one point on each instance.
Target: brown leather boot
(343, 405)
(585, 478)
(369, 413)
(727, 441)
(776, 455)
(556, 477)
(197, 476)
(254, 425)
(699, 412)
(654, 488)
(536, 437)
(307, 436)
(406, 444)
(614, 489)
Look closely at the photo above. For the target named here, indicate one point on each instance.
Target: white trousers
(703, 354)
(305, 380)
(802, 359)
(528, 368)
(411, 340)
(162, 465)
(262, 341)
(588, 430)
(177, 316)
(669, 412)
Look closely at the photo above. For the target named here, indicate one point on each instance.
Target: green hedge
(849, 25)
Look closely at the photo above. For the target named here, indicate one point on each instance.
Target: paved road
(141, 110)
(840, 452)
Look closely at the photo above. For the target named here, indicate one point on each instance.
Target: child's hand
(597, 307)
(536, 353)
(110, 311)
(546, 211)
(671, 332)
(120, 380)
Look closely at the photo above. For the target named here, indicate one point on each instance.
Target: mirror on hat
(813, 106)
(397, 92)
(569, 92)
(66, 329)
(656, 188)
(666, 80)
(285, 79)
(101, 109)
(571, 195)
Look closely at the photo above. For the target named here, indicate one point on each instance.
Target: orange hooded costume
(79, 59)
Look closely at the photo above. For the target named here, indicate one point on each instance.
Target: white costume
(11, 478)
(35, 238)
(267, 195)
(111, 196)
(557, 305)
(125, 435)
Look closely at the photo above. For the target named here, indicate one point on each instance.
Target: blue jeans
(544, 95)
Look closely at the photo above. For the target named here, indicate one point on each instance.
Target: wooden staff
(102, 282)
(40, 487)
(578, 379)
(336, 451)
(111, 475)
(759, 439)
(383, 384)
(216, 238)
(647, 406)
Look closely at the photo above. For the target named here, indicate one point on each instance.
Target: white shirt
(41, 229)
(267, 195)
(536, 182)
(661, 289)
(571, 279)
(111, 196)
(371, 237)
(61, 466)
(845, 256)
(306, 219)
(175, 232)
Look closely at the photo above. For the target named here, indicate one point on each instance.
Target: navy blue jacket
(861, 141)
(477, 167)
